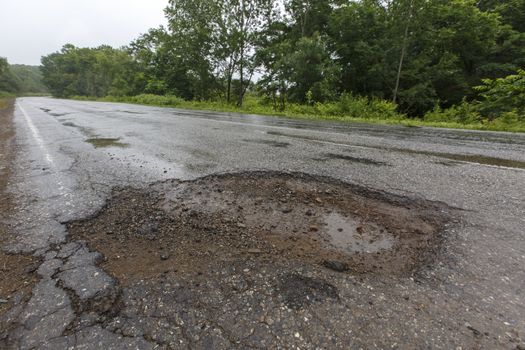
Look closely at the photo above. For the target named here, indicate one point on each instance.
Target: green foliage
(463, 113)
(501, 104)
(150, 99)
(30, 79)
(91, 72)
(337, 59)
(502, 96)
(20, 79)
(9, 83)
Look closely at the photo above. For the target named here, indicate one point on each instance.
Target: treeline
(16, 79)
(425, 56)
(95, 72)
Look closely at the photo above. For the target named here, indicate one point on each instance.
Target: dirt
(187, 229)
(17, 272)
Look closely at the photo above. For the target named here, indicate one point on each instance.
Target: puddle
(269, 143)
(353, 159)
(351, 236)
(106, 142)
(468, 158)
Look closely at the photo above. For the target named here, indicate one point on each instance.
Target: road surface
(68, 157)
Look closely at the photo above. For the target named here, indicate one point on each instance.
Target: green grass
(4, 99)
(348, 109)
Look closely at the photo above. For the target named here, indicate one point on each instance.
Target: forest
(20, 79)
(441, 61)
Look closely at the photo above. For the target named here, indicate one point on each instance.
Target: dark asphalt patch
(131, 112)
(268, 142)
(477, 159)
(335, 156)
(300, 291)
(467, 158)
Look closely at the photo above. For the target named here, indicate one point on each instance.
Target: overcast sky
(30, 29)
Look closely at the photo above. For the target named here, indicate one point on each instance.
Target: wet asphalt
(70, 154)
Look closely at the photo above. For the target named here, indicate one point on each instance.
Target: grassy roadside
(5, 99)
(356, 110)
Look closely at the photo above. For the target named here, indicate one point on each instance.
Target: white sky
(30, 29)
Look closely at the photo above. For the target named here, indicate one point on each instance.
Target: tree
(9, 82)
(93, 72)
(190, 44)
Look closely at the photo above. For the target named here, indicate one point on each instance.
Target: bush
(148, 99)
(464, 113)
(502, 95)
(350, 106)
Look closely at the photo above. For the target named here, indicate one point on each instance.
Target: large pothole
(189, 228)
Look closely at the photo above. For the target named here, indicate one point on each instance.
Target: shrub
(464, 113)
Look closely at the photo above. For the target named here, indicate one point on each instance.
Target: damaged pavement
(207, 231)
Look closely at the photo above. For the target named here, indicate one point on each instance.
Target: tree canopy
(418, 54)
(20, 79)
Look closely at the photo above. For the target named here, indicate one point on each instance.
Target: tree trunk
(403, 53)
(229, 81)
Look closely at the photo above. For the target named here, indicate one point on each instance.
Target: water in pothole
(351, 235)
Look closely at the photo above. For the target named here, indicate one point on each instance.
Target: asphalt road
(69, 155)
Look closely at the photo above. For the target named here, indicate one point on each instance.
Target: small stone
(164, 256)
(241, 225)
(287, 210)
(314, 228)
(336, 265)
(3, 301)
(32, 267)
(149, 228)
(474, 330)
(319, 200)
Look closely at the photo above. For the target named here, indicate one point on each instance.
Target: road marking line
(63, 190)
(36, 136)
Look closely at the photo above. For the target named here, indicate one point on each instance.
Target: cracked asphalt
(68, 158)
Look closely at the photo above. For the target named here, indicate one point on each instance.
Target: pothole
(189, 228)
